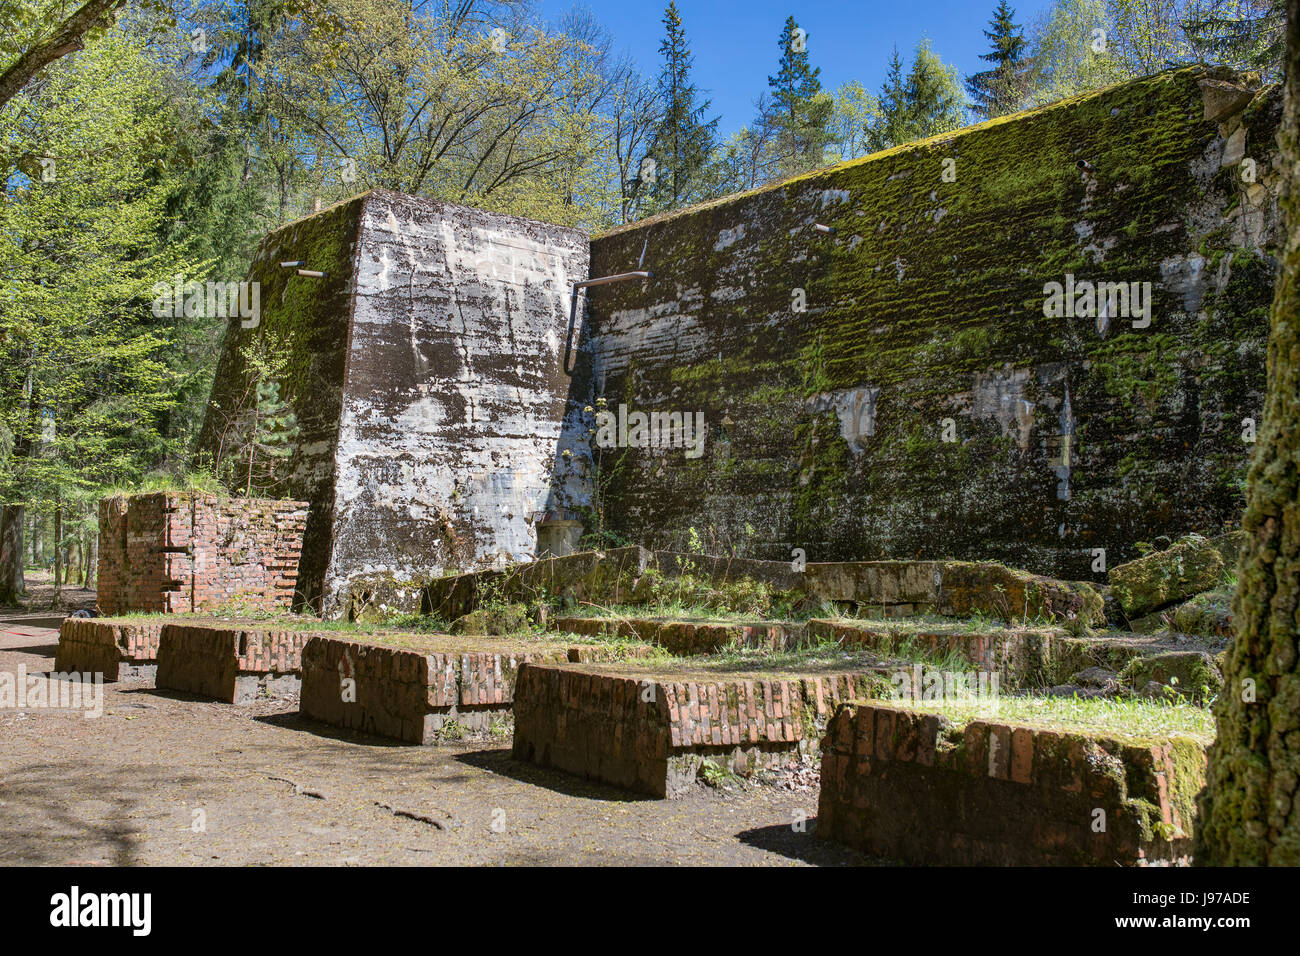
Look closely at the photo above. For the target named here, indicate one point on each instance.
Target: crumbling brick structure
(912, 786)
(171, 552)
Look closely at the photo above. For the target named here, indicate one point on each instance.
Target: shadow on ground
(804, 846)
(502, 763)
(97, 828)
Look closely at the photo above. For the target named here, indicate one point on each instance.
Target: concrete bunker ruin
(890, 386)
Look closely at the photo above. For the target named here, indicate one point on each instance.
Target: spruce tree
(927, 103)
(801, 109)
(683, 142)
(892, 126)
(994, 92)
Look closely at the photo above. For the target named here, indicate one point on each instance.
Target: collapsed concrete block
(425, 373)
(1155, 581)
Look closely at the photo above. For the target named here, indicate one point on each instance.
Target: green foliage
(928, 102)
(1244, 34)
(260, 430)
(997, 91)
(803, 113)
(684, 140)
(717, 776)
(86, 382)
(855, 111)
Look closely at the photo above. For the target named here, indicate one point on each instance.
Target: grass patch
(1120, 718)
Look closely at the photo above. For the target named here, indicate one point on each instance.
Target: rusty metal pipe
(573, 305)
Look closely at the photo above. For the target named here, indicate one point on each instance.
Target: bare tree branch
(67, 38)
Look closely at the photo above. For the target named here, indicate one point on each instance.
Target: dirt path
(273, 788)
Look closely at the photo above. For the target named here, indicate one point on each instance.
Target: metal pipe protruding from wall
(312, 274)
(296, 263)
(573, 304)
(820, 228)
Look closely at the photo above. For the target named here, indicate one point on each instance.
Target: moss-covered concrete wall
(425, 372)
(894, 388)
(309, 318)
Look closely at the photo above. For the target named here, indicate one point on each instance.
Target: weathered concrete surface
(828, 428)
(630, 575)
(311, 318)
(454, 394)
(427, 379)
(583, 576)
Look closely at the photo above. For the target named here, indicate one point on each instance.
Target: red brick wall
(100, 644)
(897, 783)
(169, 552)
(628, 729)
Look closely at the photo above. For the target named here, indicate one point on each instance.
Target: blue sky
(735, 43)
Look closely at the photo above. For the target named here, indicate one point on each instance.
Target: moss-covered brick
(991, 793)
(1194, 564)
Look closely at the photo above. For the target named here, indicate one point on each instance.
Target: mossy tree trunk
(11, 554)
(1250, 809)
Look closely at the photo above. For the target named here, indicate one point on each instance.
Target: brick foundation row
(652, 734)
(684, 637)
(447, 688)
(118, 649)
(230, 664)
(903, 785)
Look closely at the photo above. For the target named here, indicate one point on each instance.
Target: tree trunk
(65, 39)
(11, 554)
(58, 552)
(82, 542)
(92, 560)
(38, 541)
(1249, 811)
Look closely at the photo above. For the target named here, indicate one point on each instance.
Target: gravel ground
(163, 778)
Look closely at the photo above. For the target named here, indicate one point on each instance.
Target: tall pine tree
(801, 108)
(927, 103)
(997, 91)
(891, 127)
(682, 144)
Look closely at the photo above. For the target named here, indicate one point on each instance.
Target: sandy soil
(277, 789)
